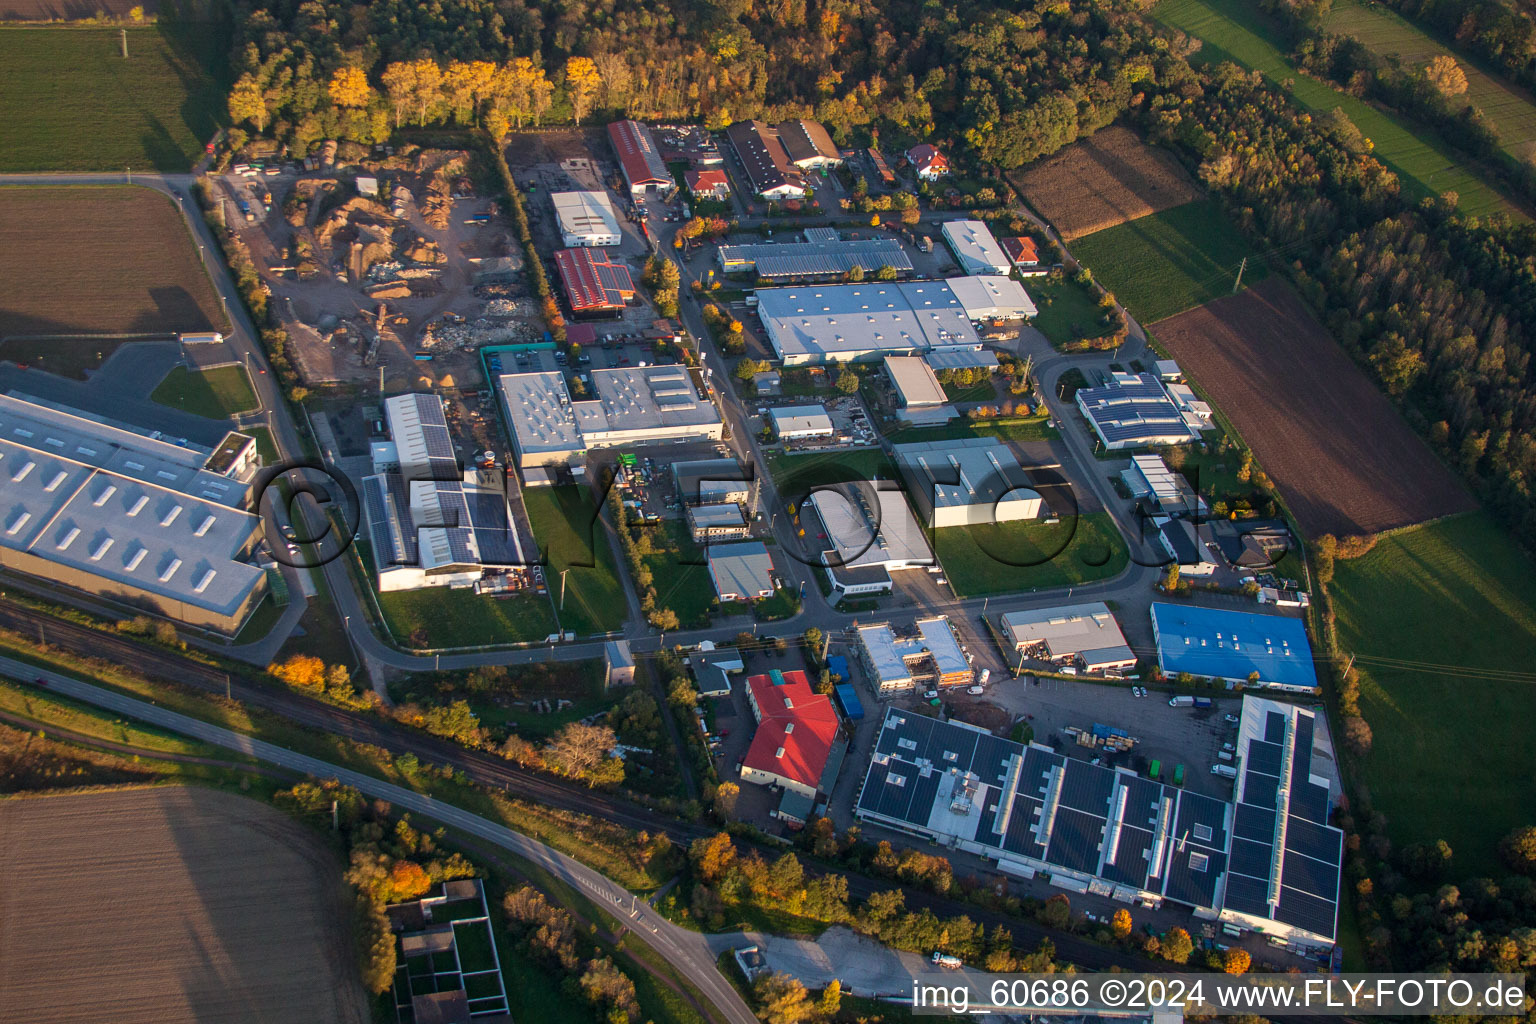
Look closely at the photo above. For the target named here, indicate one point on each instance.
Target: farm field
(1452, 757)
(78, 260)
(170, 905)
(1105, 180)
(1384, 31)
(1168, 262)
(217, 394)
(70, 10)
(564, 523)
(1235, 30)
(1076, 550)
(70, 102)
(1342, 456)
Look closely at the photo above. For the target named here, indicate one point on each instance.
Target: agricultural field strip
(683, 949)
(1105, 180)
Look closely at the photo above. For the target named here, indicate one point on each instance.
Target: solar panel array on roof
(493, 530)
(1134, 410)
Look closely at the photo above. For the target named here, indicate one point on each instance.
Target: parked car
(974, 690)
(930, 694)
(1231, 719)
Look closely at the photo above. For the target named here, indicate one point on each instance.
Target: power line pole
(1239, 282)
(125, 44)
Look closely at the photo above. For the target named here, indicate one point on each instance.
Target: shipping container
(852, 706)
(1178, 775)
(1156, 770)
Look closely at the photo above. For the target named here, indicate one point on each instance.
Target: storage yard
(1105, 180)
(75, 264)
(1342, 457)
(159, 906)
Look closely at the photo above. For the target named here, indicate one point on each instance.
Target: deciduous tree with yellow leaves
(349, 88)
(581, 82)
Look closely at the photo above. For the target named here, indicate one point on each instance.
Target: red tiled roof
(924, 157)
(641, 163)
(592, 281)
(795, 720)
(708, 181)
(1021, 250)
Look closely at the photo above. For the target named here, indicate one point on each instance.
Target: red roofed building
(797, 744)
(644, 170)
(1022, 252)
(709, 184)
(928, 162)
(593, 283)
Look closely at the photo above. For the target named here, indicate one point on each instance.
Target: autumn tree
(712, 856)
(665, 619)
(580, 749)
(304, 671)
(1446, 76)
(725, 799)
(1236, 960)
(847, 382)
(248, 102)
(349, 88)
(1177, 946)
(831, 1000)
(581, 84)
(1518, 850)
(1120, 923)
(782, 999)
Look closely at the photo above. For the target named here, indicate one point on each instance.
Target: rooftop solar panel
(1314, 840)
(1274, 727)
(1264, 757)
(1021, 835)
(1253, 822)
(1307, 911)
(1129, 866)
(1188, 885)
(1259, 789)
(1298, 871)
(1247, 895)
(1310, 801)
(1086, 787)
(1251, 858)
(1075, 838)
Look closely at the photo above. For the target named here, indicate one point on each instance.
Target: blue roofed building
(1223, 643)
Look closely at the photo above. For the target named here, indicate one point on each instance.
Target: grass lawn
(1011, 428)
(1384, 32)
(1171, 261)
(1068, 311)
(784, 604)
(571, 537)
(1452, 757)
(218, 394)
(826, 467)
(461, 618)
(70, 102)
(986, 391)
(580, 682)
(265, 447)
(1037, 555)
(680, 584)
(1235, 30)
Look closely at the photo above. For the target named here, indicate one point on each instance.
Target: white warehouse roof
(821, 323)
(975, 248)
(586, 218)
(992, 297)
(801, 421)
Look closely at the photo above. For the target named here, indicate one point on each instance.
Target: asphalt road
(685, 950)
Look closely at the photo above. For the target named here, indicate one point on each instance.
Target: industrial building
(1134, 411)
(1222, 643)
(1085, 635)
(798, 422)
(130, 515)
(586, 218)
(763, 156)
(742, 571)
(930, 657)
(713, 481)
(594, 284)
(1284, 866)
(992, 297)
(967, 482)
(645, 172)
(1181, 541)
(1090, 829)
(797, 745)
(834, 257)
(864, 546)
(914, 382)
(633, 406)
(1165, 491)
(716, 522)
(852, 322)
(975, 249)
(809, 146)
(429, 525)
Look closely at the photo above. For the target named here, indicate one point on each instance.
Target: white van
(1226, 771)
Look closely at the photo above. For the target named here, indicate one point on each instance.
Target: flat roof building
(633, 406)
(796, 422)
(930, 656)
(1283, 876)
(1222, 643)
(742, 571)
(832, 258)
(1168, 492)
(1085, 635)
(975, 249)
(844, 323)
(763, 156)
(891, 538)
(992, 297)
(645, 172)
(126, 514)
(797, 743)
(712, 481)
(914, 381)
(593, 283)
(586, 218)
(967, 482)
(1133, 411)
(716, 522)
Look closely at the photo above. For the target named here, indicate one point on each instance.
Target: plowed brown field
(1105, 180)
(1343, 458)
(170, 905)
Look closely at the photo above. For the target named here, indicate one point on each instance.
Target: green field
(571, 538)
(218, 394)
(1384, 31)
(818, 467)
(448, 617)
(1452, 757)
(70, 102)
(1012, 428)
(1235, 30)
(1067, 311)
(1171, 261)
(265, 447)
(679, 574)
(1076, 550)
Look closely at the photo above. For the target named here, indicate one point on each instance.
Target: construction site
(387, 263)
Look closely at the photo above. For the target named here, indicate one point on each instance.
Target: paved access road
(685, 950)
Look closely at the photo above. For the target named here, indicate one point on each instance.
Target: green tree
(847, 382)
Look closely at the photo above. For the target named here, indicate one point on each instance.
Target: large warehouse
(967, 482)
(851, 322)
(634, 406)
(586, 218)
(594, 284)
(1133, 411)
(129, 515)
(800, 422)
(992, 297)
(1084, 635)
(428, 524)
(797, 744)
(864, 546)
(714, 481)
(815, 259)
(975, 249)
(645, 172)
(762, 154)
(741, 571)
(930, 656)
(1223, 643)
